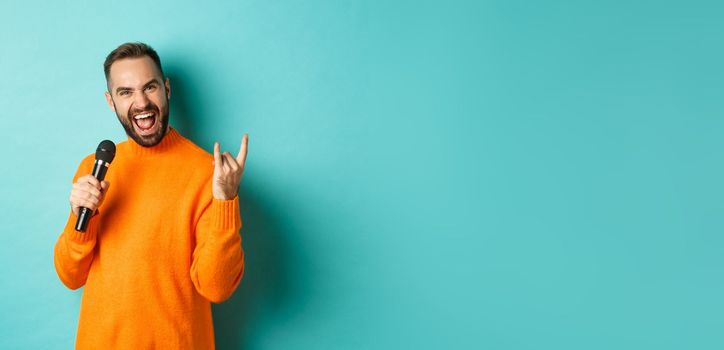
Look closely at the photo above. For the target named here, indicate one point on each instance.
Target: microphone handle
(99, 172)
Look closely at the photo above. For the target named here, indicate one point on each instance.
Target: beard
(148, 140)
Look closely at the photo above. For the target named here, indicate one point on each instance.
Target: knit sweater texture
(158, 251)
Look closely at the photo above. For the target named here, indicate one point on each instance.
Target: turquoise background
(481, 174)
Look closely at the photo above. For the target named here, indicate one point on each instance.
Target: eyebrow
(123, 88)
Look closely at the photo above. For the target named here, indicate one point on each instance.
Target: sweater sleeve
(218, 258)
(73, 251)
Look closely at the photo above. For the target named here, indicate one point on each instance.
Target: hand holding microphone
(88, 191)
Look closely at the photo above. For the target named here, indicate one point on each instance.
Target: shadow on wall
(268, 287)
(185, 103)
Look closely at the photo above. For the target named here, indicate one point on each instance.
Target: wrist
(225, 198)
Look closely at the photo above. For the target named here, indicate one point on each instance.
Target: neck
(168, 141)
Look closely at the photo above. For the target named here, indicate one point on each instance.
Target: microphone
(105, 153)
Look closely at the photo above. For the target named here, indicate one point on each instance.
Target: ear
(109, 100)
(168, 89)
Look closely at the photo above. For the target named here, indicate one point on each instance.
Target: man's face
(139, 97)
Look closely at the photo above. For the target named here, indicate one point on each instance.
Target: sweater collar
(168, 141)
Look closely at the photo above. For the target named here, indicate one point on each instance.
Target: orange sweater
(158, 251)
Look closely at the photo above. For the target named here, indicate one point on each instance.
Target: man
(164, 242)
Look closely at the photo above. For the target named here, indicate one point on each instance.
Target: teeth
(142, 116)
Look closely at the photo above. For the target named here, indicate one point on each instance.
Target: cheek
(123, 108)
(160, 101)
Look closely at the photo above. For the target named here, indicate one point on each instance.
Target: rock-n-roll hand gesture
(228, 171)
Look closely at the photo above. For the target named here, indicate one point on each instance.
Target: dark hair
(131, 50)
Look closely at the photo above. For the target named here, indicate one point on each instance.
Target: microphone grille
(106, 151)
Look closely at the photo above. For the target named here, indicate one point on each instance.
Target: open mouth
(145, 123)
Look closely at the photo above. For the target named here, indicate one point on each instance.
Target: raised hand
(228, 171)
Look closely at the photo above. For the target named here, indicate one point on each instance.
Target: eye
(151, 88)
(123, 93)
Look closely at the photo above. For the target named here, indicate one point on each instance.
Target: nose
(141, 101)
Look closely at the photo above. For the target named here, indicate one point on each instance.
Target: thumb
(105, 185)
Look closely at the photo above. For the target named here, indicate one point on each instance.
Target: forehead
(133, 72)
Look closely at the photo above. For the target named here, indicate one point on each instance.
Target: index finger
(241, 158)
(90, 179)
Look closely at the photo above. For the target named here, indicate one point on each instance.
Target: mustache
(151, 108)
